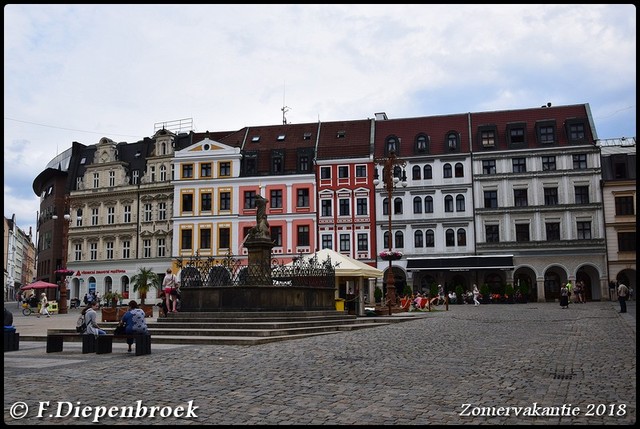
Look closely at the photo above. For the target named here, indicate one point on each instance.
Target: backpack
(81, 325)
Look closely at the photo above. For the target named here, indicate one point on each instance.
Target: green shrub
(377, 294)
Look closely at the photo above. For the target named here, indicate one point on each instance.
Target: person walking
(44, 303)
(134, 323)
(623, 292)
(564, 296)
(476, 293)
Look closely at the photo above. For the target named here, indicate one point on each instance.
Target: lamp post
(62, 271)
(389, 181)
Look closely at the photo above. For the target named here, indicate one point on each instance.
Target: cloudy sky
(83, 72)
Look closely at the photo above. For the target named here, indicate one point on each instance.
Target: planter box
(110, 314)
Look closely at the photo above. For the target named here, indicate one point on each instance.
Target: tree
(144, 281)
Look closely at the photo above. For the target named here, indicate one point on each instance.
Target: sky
(83, 72)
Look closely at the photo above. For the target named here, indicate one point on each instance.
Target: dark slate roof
(345, 139)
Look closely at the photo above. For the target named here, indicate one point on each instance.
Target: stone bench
(11, 340)
(143, 343)
(55, 342)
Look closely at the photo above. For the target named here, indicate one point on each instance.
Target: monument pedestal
(259, 262)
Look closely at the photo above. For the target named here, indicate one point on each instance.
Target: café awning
(462, 263)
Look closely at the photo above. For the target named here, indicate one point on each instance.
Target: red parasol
(39, 285)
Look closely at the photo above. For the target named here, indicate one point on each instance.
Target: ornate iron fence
(210, 271)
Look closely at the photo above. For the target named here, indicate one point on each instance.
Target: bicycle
(30, 306)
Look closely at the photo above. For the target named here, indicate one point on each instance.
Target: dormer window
(341, 134)
(255, 139)
(307, 136)
(391, 145)
(453, 141)
(488, 135)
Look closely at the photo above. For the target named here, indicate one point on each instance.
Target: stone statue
(261, 230)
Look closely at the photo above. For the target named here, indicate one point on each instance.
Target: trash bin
(339, 304)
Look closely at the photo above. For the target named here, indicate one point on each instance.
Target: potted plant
(459, 294)
(390, 255)
(508, 293)
(142, 282)
(524, 293)
(377, 294)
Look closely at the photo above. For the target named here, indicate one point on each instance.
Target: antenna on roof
(284, 109)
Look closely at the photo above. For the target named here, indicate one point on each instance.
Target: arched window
(428, 173)
(450, 239)
(417, 205)
(399, 239)
(430, 238)
(418, 239)
(397, 206)
(452, 141)
(460, 203)
(448, 204)
(446, 171)
(462, 237)
(391, 145)
(428, 204)
(385, 240)
(385, 206)
(415, 172)
(459, 169)
(421, 143)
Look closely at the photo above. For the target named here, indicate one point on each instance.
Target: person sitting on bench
(133, 321)
(91, 319)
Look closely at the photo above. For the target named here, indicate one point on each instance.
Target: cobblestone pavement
(537, 362)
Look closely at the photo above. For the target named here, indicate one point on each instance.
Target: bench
(105, 343)
(55, 342)
(11, 340)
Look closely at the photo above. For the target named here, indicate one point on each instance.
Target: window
(449, 238)
(428, 204)
(446, 171)
(345, 243)
(275, 199)
(341, 134)
(550, 196)
(325, 208)
(492, 233)
(281, 137)
(624, 206)
(147, 212)
(93, 251)
(224, 238)
(306, 136)
(462, 237)
(516, 134)
(186, 240)
(553, 231)
(327, 241)
(205, 238)
(519, 165)
(303, 197)
(135, 177)
(428, 172)
(187, 202)
(153, 173)
(580, 161)
(430, 238)
(546, 132)
(162, 247)
(163, 173)
(399, 239)
(391, 145)
(584, 230)
(255, 139)
(111, 215)
(582, 194)
(490, 199)
(385, 206)
(397, 206)
(522, 232)
(127, 214)
(520, 197)
(460, 206)
(620, 170)
(344, 209)
(94, 216)
(249, 199)
(205, 169)
(448, 204)
(627, 241)
(363, 242)
(489, 166)
(109, 250)
(225, 201)
(162, 211)
(187, 171)
(225, 169)
(415, 172)
(126, 249)
(325, 172)
(303, 235)
(417, 205)
(385, 240)
(96, 180)
(418, 239)
(250, 163)
(78, 252)
(276, 235)
(362, 208)
(488, 136)
(277, 162)
(459, 170)
(205, 202)
(304, 161)
(112, 179)
(343, 172)
(453, 140)
(361, 171)
(575, 131)
(146, 248)
(548, 163)
(421, 143)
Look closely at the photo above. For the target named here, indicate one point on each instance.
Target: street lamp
(390, 178)
(62, 271)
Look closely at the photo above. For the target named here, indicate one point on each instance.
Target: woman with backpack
(91, 319)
